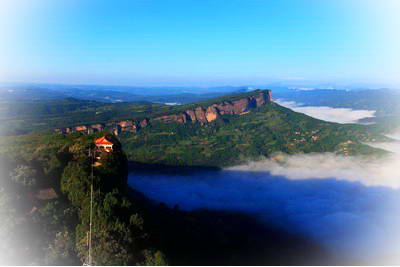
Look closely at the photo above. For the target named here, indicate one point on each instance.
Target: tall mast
(91, 209)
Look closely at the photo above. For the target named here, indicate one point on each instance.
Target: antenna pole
(91, 211)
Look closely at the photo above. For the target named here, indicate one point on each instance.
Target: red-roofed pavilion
(103, 143)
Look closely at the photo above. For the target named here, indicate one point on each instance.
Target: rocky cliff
(212, 112)
(82, 128)
(200, 114)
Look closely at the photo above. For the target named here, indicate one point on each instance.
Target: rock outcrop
(144, 122)
(171, 118)
(199, 114)
(97, 127)
(211, 113)
(86, 129)
(126, 126)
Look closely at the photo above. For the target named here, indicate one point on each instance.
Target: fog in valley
(340, 115)
(350, 205)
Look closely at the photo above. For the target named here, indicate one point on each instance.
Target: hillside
(21, 117)
(25, 116)
(217, 132)
(45, 198)
(129, 229)
(233, 139)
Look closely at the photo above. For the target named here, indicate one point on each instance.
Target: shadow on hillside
(206, 237)
(231, 217)
(141, 167)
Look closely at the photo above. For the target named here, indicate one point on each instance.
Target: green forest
(54, 231)
(128, 228)
(22, 116)
(46, 180)
(229, 140)
(234, 139)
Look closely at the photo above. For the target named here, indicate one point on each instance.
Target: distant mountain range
(115, 94)
(103, 95)
(386, 102)
(322, 94)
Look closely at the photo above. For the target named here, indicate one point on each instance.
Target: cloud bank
(350, 205)
(327, 165)
(340, 115)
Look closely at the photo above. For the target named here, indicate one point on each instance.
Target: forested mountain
(45, 201)
(45, 204)
(217, 132)
(24, 116)
(233, 139)
(46, 177)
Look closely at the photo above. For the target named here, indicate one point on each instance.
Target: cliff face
(82, 128)
(199, 114)
(211, 113)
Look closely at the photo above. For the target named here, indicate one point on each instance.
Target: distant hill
(114, 94)
(234, 139)
(386, 102)
(218, 132)
(24, 116)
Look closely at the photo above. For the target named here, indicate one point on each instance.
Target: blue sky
(199, 42)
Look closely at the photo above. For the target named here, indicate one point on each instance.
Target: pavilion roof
(102, 141)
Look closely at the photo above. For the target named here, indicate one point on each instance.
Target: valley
(199, 133)
(168, 152)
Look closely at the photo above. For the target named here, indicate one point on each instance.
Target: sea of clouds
(340, 115)
(350, 205)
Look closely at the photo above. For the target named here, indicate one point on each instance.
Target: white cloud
(328, 165)
(348, 204)
(340, 115)
(370, 172)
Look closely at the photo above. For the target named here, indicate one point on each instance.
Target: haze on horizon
(199, 43)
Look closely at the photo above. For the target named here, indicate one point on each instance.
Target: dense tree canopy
(55, 231)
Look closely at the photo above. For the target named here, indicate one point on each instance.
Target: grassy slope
(21, 117)
(235, 139)
(25, 117)
(230, 140)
